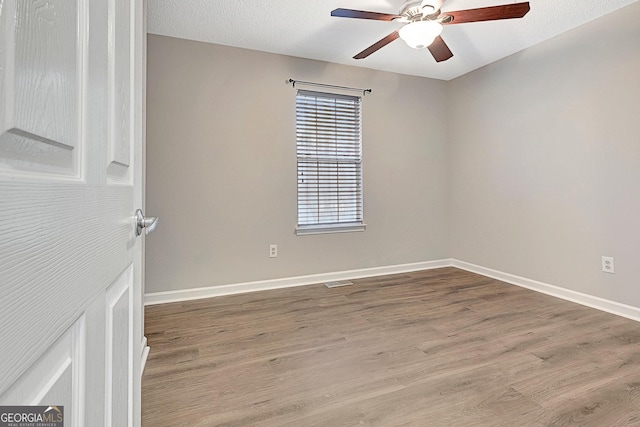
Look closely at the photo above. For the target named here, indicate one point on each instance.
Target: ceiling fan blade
(440, 50)
(492, 13)
(361, 14)
(377, 45)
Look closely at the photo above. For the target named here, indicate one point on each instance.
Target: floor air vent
(338, 284)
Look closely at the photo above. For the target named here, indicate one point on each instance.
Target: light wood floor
(434, 348)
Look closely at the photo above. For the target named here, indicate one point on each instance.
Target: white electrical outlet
(607, 264)
(273, 251)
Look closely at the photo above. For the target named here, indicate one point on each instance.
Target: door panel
(58, 376)
(70, 180)
(118, 343)
(39, 95)
(120, 80)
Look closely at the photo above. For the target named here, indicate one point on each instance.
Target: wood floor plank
(440, 347)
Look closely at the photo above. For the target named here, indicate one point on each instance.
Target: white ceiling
(305, 29)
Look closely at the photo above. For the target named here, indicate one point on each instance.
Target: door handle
(148, 223)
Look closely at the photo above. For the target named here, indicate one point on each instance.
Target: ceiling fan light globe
(420, 34)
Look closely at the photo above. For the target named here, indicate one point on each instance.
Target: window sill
(304, 230)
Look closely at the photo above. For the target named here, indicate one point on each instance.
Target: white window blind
(329, 152)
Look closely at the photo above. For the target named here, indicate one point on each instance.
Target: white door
(71, 99)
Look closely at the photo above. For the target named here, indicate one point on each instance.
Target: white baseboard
(262, 285)
(598, 303)
(602, 304)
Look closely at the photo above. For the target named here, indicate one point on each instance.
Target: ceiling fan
(424, 23)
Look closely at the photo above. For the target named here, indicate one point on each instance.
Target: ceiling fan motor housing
(419, 11)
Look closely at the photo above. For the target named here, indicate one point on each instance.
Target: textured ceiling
(305, 29)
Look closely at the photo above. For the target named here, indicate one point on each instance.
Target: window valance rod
(355, 89)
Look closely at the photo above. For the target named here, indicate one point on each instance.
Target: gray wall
(545, 160)
(221, 168)
(530, 166)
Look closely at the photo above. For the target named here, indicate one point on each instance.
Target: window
(329, 151)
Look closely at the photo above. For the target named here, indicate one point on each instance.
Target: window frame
(351, 155)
